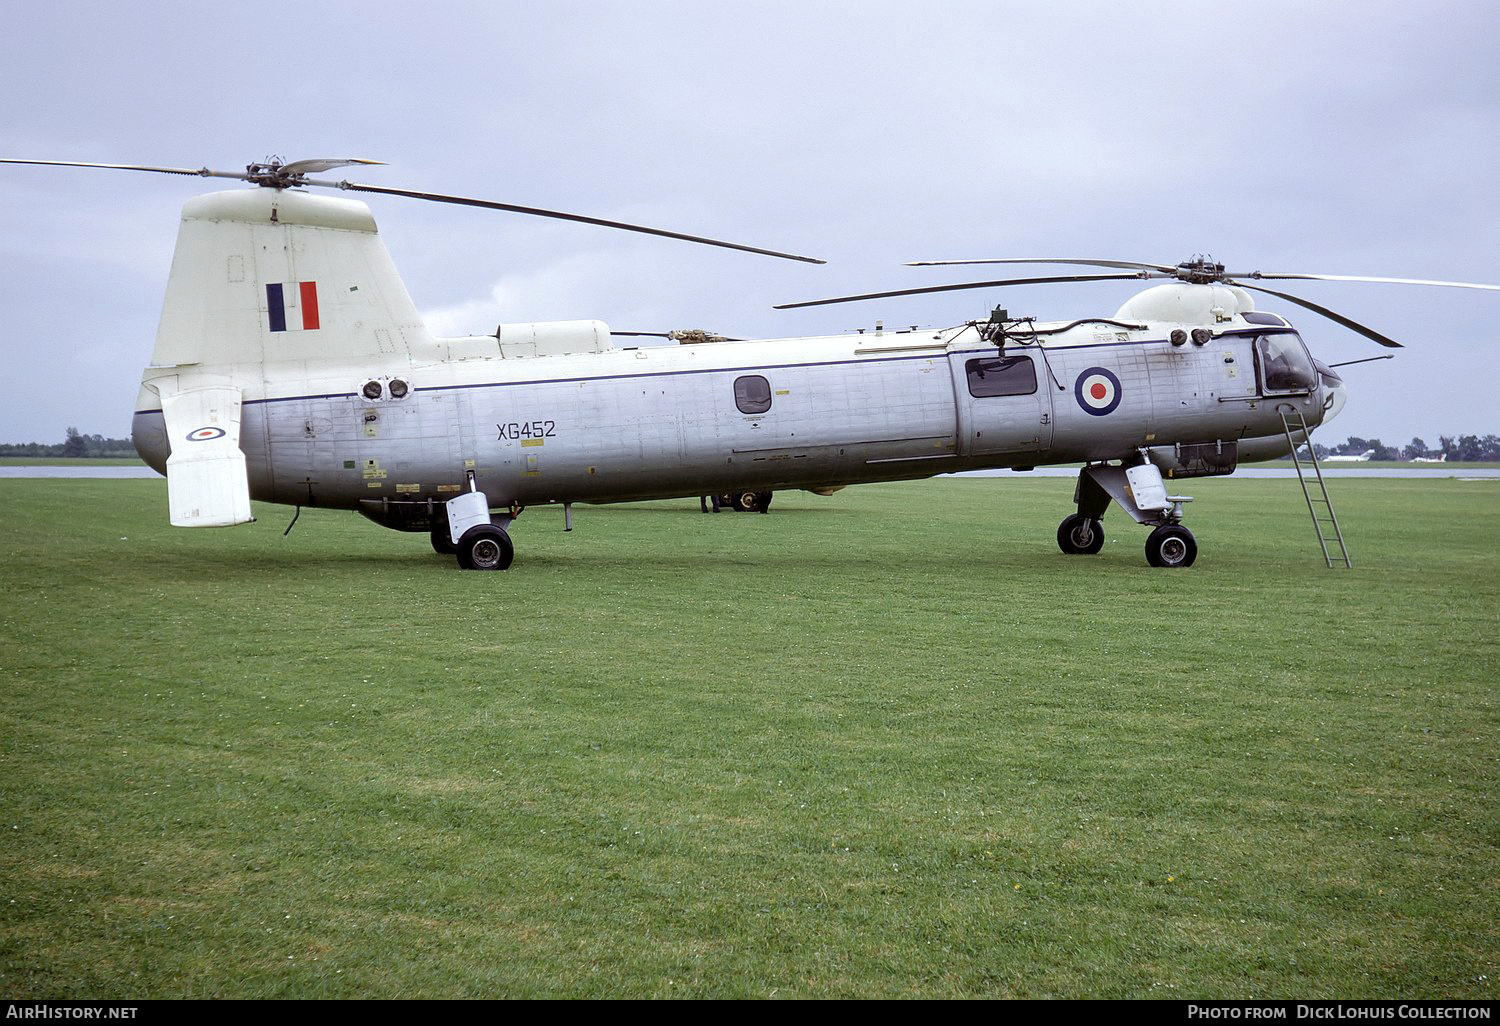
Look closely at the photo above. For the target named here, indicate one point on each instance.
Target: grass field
(889, 743)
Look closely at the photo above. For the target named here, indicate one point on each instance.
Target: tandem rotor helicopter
(291, 366)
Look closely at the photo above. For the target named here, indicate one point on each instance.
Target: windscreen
(1284, 363)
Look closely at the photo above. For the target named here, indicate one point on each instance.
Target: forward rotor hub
(1200, 271)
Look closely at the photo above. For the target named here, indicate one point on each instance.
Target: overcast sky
(1340, 138)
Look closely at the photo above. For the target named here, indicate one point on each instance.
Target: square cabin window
(752, 394)
(1001, 375)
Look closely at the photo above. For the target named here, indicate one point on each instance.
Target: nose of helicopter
(1335, 392)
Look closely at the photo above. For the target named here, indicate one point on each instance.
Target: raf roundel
(1097, 391)
(205, 434)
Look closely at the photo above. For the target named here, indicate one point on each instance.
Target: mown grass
(888, 743)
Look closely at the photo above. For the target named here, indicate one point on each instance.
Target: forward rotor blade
(1368, 359)
(1269, 276)
(561, 215)
(200, 172)
(1125, 264)
(1369, 333)
(955, 288)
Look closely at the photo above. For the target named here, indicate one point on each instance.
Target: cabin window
(1284, 363)
(752, 394)
(1001, 375)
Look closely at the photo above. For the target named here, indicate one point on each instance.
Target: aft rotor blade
(1268, 276)
(563, 216)
(293, 176)
(1124, 264)
(955, 288)
(318, 165)
(667, 334)
(199, 172)
(1369, 333)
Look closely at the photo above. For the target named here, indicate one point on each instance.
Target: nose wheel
(1171, 546)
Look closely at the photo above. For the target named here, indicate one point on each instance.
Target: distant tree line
(75, 446)
(1459, 449)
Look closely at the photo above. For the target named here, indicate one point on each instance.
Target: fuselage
(622, 424)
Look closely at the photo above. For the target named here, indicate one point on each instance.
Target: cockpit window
(1005, 375)
(1284, 363)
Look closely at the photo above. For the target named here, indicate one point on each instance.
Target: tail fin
(268, 275)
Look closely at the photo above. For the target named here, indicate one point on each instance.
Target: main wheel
(1171, 546)
(485, 547)
(441, 543)
(747, 502)
(1079, 535)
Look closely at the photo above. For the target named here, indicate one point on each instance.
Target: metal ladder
(1325, 523)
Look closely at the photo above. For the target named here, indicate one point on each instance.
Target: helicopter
(291, 366)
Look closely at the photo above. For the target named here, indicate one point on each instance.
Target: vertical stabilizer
(271, 275)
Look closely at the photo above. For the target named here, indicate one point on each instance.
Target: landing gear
(1079, 535)
(1138, 490)
(1171, 545)
(740, 502)
(485, 547)
(441, 543)
(482, 542)
(753, 502)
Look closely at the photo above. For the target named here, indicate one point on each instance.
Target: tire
(485, 547)
(1171, 547)
(1079, 535)
(441, 543)
(749, 502)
